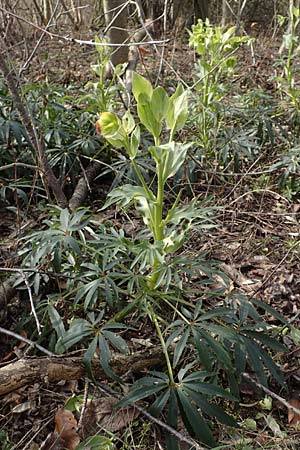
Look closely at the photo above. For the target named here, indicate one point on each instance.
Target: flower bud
(107, 124)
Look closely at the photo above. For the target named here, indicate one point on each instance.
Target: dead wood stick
(82, 187)
(53, 369)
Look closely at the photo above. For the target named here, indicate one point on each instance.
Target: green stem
(163, 344)
(142, 180)
(159, 228)
(127, 310)
(158, 224)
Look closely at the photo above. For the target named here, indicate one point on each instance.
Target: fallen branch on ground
(65, 367)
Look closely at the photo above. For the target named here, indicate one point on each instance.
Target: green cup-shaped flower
(108, 124)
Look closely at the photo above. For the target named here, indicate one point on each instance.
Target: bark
(201, 9)
(224, 12)
(7, 292)
(183, 11)
(45, 369)
(116, 21)
(83, 185)
(37, 144)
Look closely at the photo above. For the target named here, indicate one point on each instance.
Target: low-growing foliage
(216, 48)
(110, 275)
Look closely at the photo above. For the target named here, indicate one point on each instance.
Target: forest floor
(256, 241)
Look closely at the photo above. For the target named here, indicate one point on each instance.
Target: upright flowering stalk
(155, 110)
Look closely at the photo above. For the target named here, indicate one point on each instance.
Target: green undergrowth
(96, 283)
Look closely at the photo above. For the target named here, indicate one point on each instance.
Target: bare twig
(80, 41)
(269, 277)
(19, 164)
(28, 341)
(84, 402)
(272, 394)
(43, 272)
(164, 36)
(37, 144)
(149, 416)
(25, 65)
(33, 311)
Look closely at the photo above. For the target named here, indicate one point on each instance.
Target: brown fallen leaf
(100, 413)
(18, 347)
(65, 427)
(293, 417)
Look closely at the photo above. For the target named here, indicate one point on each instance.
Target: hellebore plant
(168, 228)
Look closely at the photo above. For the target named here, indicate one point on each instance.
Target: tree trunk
(36, 143)
(224, 12)
(201, 9)
(116, 19)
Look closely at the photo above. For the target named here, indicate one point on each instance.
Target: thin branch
(149, 416)
(33, 311)
(271, 393)
(25, 65)
(42, 272)
(164, 36)
(19, 164)
(275, 269)
(35, 143)
(28, 341)
(79, 41)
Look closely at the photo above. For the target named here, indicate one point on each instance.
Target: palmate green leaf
(89, 355)
(56, 321)
(125, 195)
(170, 156)
(64, 219)
(140, 393)
(184, 370)
(224, 332)
(172, 416)
(210, 409)
(266, 340)
(180, 347)
(90, 291)
(193, 420)
(76, 221)
(207, 389)
(221, 311)
(222, 355)
(105, 359)
(96, 443)
(271, 366)
(117, 341)
(175, 333)
(254, 357)
(239, 359)
(159, 404)
(270, 310)
(78, 330)
(204, 354)
(194, 210)
(165, 277)
(71, 243)
(110, 290)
